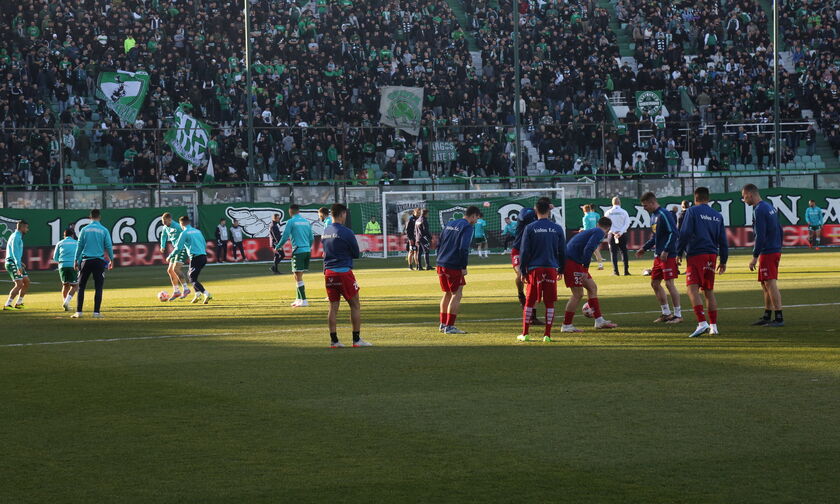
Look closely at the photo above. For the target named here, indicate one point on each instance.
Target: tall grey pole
(776, 119)
(517, 94)
(249, 83)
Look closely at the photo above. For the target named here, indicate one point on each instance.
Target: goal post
(498, 207)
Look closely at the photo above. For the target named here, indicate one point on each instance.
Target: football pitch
(242, 400)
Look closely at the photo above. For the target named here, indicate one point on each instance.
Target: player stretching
(175, 270)
(767, 252)
(577, 278)
(192, 241)
(452, 256)
(480, 236)
(702, 237)
(590, 220)
(664, 243)
(90, 259)
(64, 255)
(340, 248)
(300, 231)
(814, 218)
(526, 216)
(543, 252)
(15, 267)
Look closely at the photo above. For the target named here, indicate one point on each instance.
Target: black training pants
(238, 246)
(197, 263)
(95, 267)
(615, 248)
(221, 250)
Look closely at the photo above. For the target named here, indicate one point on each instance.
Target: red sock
(527, 315)
(596, 307)
(568, 317)
(443, 318)
(713, 316)
(450, 319)
(698, 310)
(549, 318)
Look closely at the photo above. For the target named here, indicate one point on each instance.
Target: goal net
(499, 208)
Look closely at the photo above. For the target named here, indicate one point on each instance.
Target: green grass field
(242, 401)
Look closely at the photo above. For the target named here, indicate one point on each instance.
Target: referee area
(242, 399)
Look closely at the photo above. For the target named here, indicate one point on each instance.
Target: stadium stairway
(461, 16)
(624, 40)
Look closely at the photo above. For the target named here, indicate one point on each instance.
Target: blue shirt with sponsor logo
(340, 248)
(703, 232)
(454, 244)
(768, 231)
(543, 246)
(582, 245)
(526, 216)
(665, 237)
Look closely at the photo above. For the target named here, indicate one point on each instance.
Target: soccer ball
(587, 310)
(163, 296)
(486, 204)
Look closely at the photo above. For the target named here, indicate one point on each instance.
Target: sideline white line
(402, 324)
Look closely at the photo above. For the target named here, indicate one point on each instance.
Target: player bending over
(192, 241)
(300, 231)
(64, 254)
(814, 218)
(767, 252)
(664, 243)
(452, 257)
(526, 216)
(175, 269)
(15, 267)
(543, 252)
(576, 275)
(703, 238)
(340, 248)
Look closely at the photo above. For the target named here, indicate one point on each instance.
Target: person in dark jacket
(423, 238)
(275, 233)
(222, 237)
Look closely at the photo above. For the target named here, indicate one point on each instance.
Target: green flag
(402, 108)
(123, 92)
(188, 137)
(648, 102)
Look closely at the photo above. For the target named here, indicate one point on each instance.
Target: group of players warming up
(541, 257)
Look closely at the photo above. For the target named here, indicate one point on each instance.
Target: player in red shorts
(664, 243)
(542, 253)
(452, 256)
(526, 216)
(576, 275)
(340, 248)
(703, 238)
(767, 253)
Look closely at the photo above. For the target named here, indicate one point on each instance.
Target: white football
(163, 296)
(587, 310)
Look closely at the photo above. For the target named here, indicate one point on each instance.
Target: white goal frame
(560, 191)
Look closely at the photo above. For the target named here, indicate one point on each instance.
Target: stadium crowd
(317, 67)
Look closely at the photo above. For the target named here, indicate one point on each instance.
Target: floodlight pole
(777, 144)
(517, 94)
(249, 84)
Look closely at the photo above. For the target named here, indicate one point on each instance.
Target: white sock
(206, 293)
(176, 289)
(184, 287)
(678, 311)
(714, 327)
(703, 324)
(666, 310)
(68, 299)
(600, 320)
(20, 299)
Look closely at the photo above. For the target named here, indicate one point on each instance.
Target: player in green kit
(590, 220)
(480, 236)
(300, 231)
(14, 265)
(64, 255)
(175, 269)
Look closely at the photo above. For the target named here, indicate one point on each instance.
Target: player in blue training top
(340, 248)
(703, 238)
(299, 230)
(590, 221)
(767, 252)
(577, 278)
(170, 233)
(90, 260)
(15, 267)
(664, 242)
(480, 236)
(452, 256)
(192, 241)
(65, 254)
(814, 218)
(542, 253)
(526, 216)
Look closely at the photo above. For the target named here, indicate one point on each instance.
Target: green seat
(810, 165)
(820, 164)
